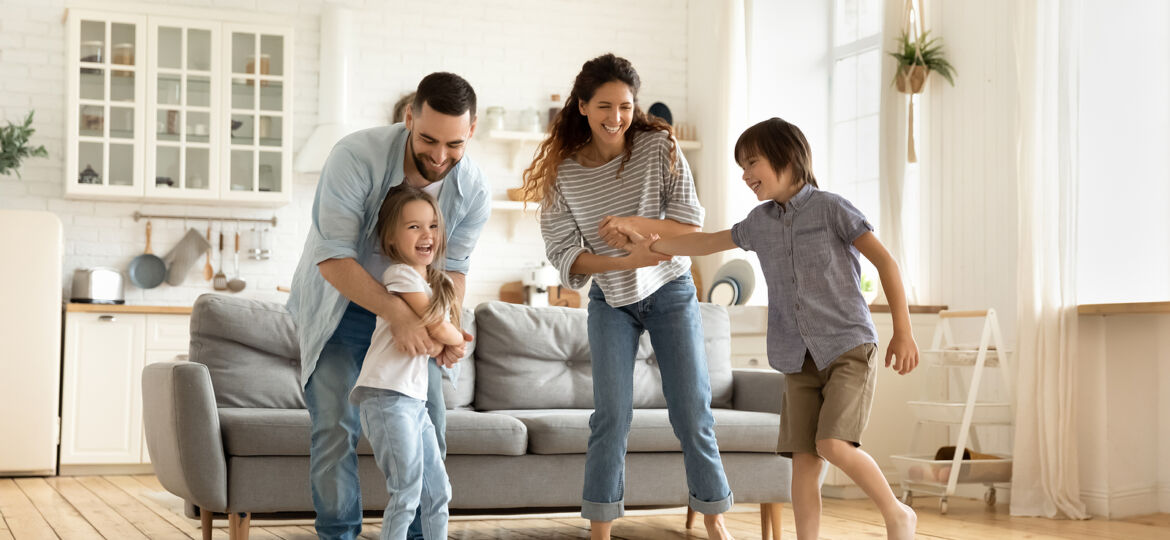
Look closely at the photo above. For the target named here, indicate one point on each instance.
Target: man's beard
(426, 172)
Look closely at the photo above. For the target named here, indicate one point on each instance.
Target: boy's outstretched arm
(698, 243)
(902, 345)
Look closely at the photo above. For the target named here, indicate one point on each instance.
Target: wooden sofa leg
(238, 524)
(690, 517)
(205, 522)
(770, 519)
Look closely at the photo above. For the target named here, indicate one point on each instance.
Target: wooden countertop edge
(883, 308)
(1127, 308)
(123, 308)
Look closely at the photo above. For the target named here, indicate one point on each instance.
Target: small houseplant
(868, 291)
(14, 146)
(917, 58)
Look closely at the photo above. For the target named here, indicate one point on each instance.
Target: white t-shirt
(434, 188)
(385, 366)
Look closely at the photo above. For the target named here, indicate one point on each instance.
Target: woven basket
(911, 79)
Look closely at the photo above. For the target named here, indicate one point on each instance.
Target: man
(336, 296)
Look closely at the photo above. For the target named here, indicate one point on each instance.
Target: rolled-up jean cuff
(596, 511)
(714, 507)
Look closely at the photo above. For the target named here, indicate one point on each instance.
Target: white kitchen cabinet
(102, 394)
(101, 413)
(178, 110)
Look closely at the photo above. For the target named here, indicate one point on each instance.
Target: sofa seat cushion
(566, 431)
(285, 432)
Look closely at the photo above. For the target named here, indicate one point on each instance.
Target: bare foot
(716, 529)
(902, 526)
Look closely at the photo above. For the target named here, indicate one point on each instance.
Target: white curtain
(892, 151)
(717, 84)
(1045, 480)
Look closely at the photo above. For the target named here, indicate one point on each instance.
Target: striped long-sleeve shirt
(646, 188)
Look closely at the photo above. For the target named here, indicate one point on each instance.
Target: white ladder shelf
(924, 473)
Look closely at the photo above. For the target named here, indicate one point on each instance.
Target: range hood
(337, 55)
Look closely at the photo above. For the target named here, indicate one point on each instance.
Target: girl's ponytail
(444, 300)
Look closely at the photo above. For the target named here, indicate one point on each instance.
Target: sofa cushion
(460, 396)
(250, 349)
(538, 358)
(566, 431)
(285, 432)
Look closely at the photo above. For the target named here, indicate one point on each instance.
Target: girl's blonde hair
(570, 131)
(444, 299)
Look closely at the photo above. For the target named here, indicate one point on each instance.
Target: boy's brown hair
(782, 144)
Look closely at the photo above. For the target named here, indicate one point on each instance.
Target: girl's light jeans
(408, 454)
(671, 315)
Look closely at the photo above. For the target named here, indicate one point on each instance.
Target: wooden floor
(137, 507)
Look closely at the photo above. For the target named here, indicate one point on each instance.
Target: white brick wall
(514, 52)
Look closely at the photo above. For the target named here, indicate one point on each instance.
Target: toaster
(98, 285)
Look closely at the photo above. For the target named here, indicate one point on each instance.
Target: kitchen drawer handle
(108, 318)
(754, 362)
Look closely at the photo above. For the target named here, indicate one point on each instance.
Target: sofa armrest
(760, 390)
(182, 432)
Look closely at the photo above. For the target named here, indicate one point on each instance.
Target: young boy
(820, 333)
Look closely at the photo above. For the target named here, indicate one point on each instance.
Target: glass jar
(494, 119)
(91, 51)
(123, 54)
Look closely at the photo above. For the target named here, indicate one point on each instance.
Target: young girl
(819, 330)
(391, 389)
(606, 164)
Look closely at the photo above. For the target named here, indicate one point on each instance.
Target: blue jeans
(336, 426)
(408, 455)
(671, 315)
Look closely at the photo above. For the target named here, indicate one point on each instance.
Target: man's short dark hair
(446, 93)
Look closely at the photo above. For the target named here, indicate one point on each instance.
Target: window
(856, 97)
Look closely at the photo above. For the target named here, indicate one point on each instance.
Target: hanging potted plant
(917, 58)
(14, 146)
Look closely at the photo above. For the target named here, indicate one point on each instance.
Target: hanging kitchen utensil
(183, 256)
(219, 283)
(237, 283)
(208, 270)
(147, 271)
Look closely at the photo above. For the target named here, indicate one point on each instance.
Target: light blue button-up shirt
(813, 272)
(359, 172)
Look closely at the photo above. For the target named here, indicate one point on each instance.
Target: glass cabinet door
(182, 122)
(259, 152)
(105, 135)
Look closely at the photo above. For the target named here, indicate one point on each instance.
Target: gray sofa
(228, 431)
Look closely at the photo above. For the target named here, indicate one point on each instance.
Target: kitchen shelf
(520, 139)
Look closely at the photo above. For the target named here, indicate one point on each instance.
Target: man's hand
(412, 339)
(610, 230)
(903, 347)
(451, 354)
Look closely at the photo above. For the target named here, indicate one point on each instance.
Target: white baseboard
(1126, 502)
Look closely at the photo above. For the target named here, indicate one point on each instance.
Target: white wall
(1123, 405)
(967, 158)
(514, 52)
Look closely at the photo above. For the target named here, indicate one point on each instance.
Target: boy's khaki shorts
(829, 404)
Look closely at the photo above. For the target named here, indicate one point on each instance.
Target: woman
(607, 166)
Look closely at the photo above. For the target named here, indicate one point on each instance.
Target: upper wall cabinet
(178, 110)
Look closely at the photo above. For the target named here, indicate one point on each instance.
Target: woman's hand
(902, 347)
(640, 253)
(610, 230)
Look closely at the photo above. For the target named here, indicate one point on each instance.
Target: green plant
(866, 283)
(14, 146)
(923, 51)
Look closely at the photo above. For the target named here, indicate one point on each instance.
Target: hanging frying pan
(147, 271)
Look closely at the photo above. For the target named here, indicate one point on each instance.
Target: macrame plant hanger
(912, 25)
